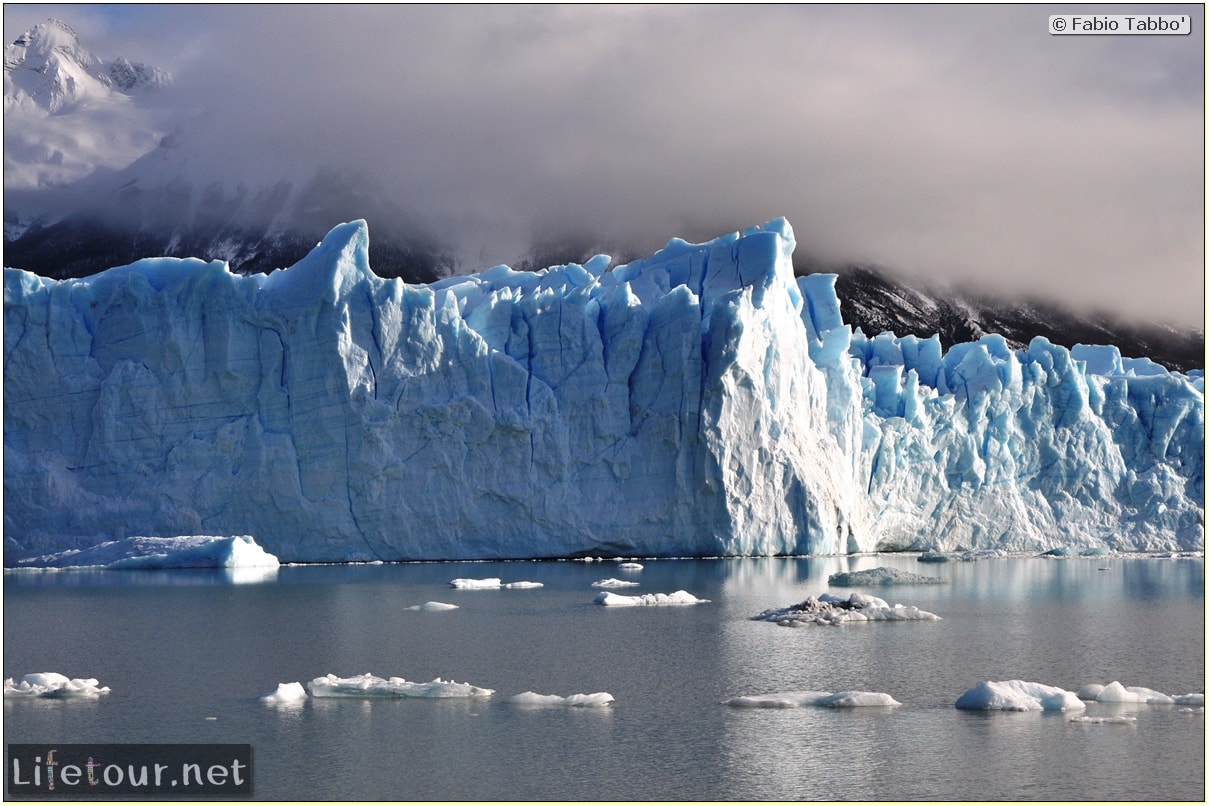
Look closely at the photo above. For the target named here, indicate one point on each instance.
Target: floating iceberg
(1018, 695)
(1115, 692)
(1104, 720)
(54, 686)
(834, 611)
(597, 700)
(1063, 551)
(369, 686)
(285, 694)
(961, 556)
(823, 699)
(677, 598)
(193, 551)
(700, 402)
(433, 607)
(630, 566)
(614, 583)
(881, 576)
(491, 583)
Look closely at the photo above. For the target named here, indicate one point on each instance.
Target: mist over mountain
(102, 169)
(105, 163)
(876, 301)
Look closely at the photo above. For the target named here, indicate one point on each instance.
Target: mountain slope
(876, 301)
(97, 175)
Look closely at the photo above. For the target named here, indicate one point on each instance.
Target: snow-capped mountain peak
(69, 112)
(130, 77)
(47, 69)
(46, 39)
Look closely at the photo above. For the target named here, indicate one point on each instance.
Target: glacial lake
(187, 654)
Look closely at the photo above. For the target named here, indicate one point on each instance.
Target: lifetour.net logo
(91, 770)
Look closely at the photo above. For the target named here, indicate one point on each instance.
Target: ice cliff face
(699, 402)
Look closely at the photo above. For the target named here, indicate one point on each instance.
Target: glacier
(699, 402)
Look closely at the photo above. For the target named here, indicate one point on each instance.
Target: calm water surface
(178, 648)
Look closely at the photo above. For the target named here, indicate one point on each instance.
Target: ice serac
(983, 446)
(699, 402)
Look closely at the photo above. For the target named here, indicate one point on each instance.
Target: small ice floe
(1089, 551)
(1018, 695)
(614, 583)
(55, 686)
(818, 699)
(189, 551)
(834, 611)
(881, 576)
(368, 685)
(630, 566)
(1198, 710)
(286, 694)
(1104, 720)
(491, 583)
(961, 556)
(596, 700)
(1115, 692)
(677, 598)
(432, 607)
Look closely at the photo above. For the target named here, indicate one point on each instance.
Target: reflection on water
(187, 654)
(103, 578)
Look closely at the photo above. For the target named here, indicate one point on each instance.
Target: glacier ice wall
(988, 447)
(700, 402)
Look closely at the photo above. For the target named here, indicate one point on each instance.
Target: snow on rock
(881, 576)
(1115, 692)
(433, 607)
(191, 551)
(596, 700)
(833, 611)
(285, 694)
(617, 600)
(491, 583)
(368, 686)
(614, 583)
(824, 699)
(54, 686)
(1018, 695)
(700, 402)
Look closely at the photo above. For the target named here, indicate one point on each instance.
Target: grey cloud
(959, 142)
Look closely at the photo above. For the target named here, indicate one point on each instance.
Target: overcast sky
(958, 143)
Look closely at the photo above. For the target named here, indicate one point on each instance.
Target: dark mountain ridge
(874, 300)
